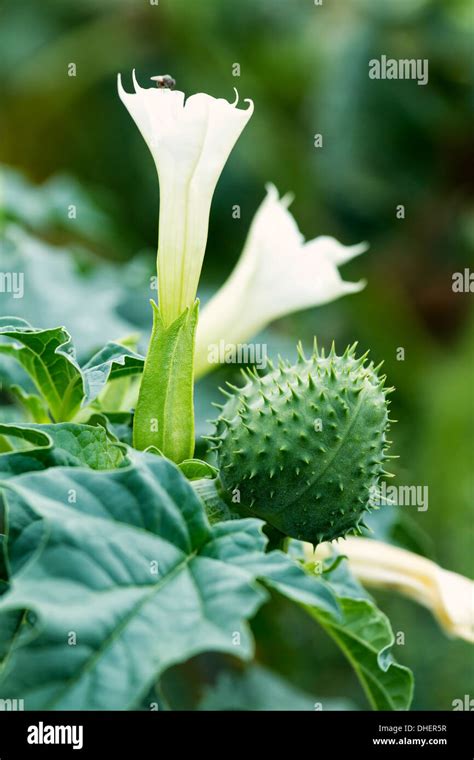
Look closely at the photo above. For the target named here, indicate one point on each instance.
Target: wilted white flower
(448, 595)
(190, 142)
(277, 273)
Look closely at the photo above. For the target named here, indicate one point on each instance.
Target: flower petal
(277, 274)
(336, 251)
(448, 595)
(190, 142)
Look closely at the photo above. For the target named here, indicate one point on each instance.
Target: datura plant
(121, 555)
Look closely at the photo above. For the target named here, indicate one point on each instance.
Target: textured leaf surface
(132, 568)
(122, 575)
(277, 569)
(54, 445)
(127, 564)
(118, 424)
(359, 628)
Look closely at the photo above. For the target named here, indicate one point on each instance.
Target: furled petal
(449, 596)
(190, 141)
(278, 273)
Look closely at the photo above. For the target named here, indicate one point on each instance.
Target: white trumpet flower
(448, 595)
(278, 273)
(190, 142)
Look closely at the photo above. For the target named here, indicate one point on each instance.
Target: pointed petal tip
(250, 102)
(122, 93)
(272, 191)
(121, 89)
(336, 251)
(251, 107)
(273, 194)
(354, 287)
(136, 86)
(359, 248)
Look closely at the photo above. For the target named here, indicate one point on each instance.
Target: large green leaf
(126, 562)
(54, 445)
(366, 638)
(48, 358)
(362, 631)
(278, 570)
(122, 576)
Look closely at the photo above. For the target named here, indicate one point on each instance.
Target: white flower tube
(190, 142)
(449, 596)
(277, 273)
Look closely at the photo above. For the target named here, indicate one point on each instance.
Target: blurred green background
(69, 140)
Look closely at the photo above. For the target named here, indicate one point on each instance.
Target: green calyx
(303, 447)
(164, 417)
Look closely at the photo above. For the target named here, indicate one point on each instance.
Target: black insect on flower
(164, 81)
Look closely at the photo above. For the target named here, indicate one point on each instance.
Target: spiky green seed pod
(304, 446)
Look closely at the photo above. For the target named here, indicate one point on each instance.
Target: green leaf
(276, 569)
(54, 445)
(118, 424)
(164, 417)
(110, 363)
(366, 638)
(132, 567)
(48, 358)
(195, 469)
(88, 567)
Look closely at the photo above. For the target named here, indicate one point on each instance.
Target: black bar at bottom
(135, 734)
